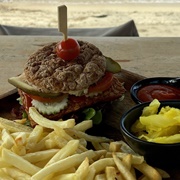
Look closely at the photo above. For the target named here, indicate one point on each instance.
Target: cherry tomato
(102, 84)
(68, 49)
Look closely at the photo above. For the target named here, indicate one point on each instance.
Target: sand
(152, 20)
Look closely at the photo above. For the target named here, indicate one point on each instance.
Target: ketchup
(158, 91)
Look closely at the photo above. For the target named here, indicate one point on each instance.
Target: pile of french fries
(59, 150)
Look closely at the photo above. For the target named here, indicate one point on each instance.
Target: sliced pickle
(21, 84)
(112, 66)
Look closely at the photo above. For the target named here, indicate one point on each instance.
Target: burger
(59, 79)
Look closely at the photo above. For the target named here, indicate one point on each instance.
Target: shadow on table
(127, 29)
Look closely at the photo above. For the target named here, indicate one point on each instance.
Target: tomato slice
(103, 84)
(46, 100)
(68, 49)
(26, 101)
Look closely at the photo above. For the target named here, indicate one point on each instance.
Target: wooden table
(139, 58)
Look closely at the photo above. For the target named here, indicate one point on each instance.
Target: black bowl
(152, 81)
(156, 154)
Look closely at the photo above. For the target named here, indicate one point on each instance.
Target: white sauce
(50, 108)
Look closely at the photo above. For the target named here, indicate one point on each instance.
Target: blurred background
(153, 18)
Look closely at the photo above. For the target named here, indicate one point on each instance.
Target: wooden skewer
(62, 20)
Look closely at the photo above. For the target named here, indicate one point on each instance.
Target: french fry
(58, 140)
(125, 148)
(41, 164)
(101, 164)
(150, 172)
(136, 159)
(115, 146)
(100, 177)
(40, 155)
(41, 145)
(13, 126)
(105, 146)
(5, 176)
(63, 164)
(83, 169)
(70, 176)
(62, 133)
(34, 137)
(50, 144)
(123, 169)
(19, 162)
(133, 172)
(8, 140)
(71, 170)
(163, 173)
(17, 174)
(110, 172)
(60, 151)
(3, 163)
(21, 121)
(97, 146)
(19, 142)
(68, 150)
(143, 177)
(100, 154)
(19, 149)
(84, 125)
(90, 138)
(83, 142)
(127, 160)
(44, 122)
(20, 138)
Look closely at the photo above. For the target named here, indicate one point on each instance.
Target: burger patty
(50, 74)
